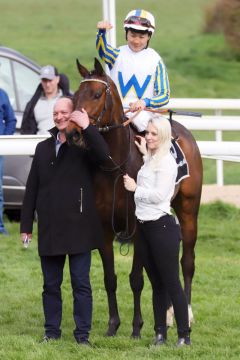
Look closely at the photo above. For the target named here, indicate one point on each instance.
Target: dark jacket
(61, 190)
(7, 117)
(29, 124)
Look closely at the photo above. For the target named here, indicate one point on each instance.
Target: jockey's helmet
(140, 20)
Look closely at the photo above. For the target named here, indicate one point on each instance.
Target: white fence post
(219, 163)
(109, 14)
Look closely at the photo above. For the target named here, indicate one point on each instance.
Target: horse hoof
(110, 332)
(112, 329)
(135, 336)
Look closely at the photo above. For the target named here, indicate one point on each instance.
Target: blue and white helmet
(140, 20)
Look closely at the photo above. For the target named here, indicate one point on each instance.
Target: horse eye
(97, 95)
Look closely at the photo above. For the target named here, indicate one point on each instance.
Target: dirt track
(228, 193)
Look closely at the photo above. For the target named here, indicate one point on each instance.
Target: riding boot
(183, 339)
(160, 336)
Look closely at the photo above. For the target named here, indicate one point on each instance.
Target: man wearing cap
(37, 117)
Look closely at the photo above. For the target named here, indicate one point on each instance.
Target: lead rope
(124, 236)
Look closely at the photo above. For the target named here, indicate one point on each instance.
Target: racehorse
(98, 95)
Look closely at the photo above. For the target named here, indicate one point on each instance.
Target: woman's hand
(80, 118)
(141, 144)
(129, 183)
(104, 25)
(137, 105)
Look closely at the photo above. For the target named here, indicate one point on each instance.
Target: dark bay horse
(98, 95)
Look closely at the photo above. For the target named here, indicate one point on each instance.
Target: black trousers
(52, 269)
(159, 247)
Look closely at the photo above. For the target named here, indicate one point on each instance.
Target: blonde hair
(163, 128)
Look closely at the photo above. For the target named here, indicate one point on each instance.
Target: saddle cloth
(177, 153)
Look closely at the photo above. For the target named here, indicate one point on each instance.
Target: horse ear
(82, 70)
(98, 67)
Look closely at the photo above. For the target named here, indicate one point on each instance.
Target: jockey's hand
(137, 105)
(141, 144)
(129, 183)
(80, 117)
(104, 25)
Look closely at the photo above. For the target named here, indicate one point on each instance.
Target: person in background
(60, 189)
(158, 230)
(138, 71)
(37, 117)
(7, 127)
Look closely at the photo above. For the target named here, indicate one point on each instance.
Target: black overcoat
(60, 189)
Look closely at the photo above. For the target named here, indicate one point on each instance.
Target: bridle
(107, 99)
(108, 128)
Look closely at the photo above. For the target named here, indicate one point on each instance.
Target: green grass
(215, 300)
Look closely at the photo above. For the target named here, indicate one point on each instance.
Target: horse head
(98, 95)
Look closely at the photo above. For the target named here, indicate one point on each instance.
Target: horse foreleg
(136, 283)
(110, 282)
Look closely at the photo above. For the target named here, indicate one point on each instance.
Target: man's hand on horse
(129, 183)
(141, 144)
(137, 105)
(104, 25)
(80, 117)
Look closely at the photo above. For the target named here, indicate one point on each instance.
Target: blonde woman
(159, 233)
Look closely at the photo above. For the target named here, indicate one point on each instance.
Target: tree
(231, 23)
(224, 16)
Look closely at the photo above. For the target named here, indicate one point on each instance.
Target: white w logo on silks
(132, 83)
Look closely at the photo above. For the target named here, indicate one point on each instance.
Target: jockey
(137, 70)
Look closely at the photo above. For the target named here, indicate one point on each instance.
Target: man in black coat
(60, 189)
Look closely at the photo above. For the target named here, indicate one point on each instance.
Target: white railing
(205, 104)
(222, 151)
(20, 144)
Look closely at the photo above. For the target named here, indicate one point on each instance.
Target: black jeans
(159, 246)
(52, 268)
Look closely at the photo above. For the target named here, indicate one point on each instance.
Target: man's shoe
(159, 339)
(183, 341)
(85, 342)
(47, 339)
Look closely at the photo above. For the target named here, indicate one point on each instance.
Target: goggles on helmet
(136, 20)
